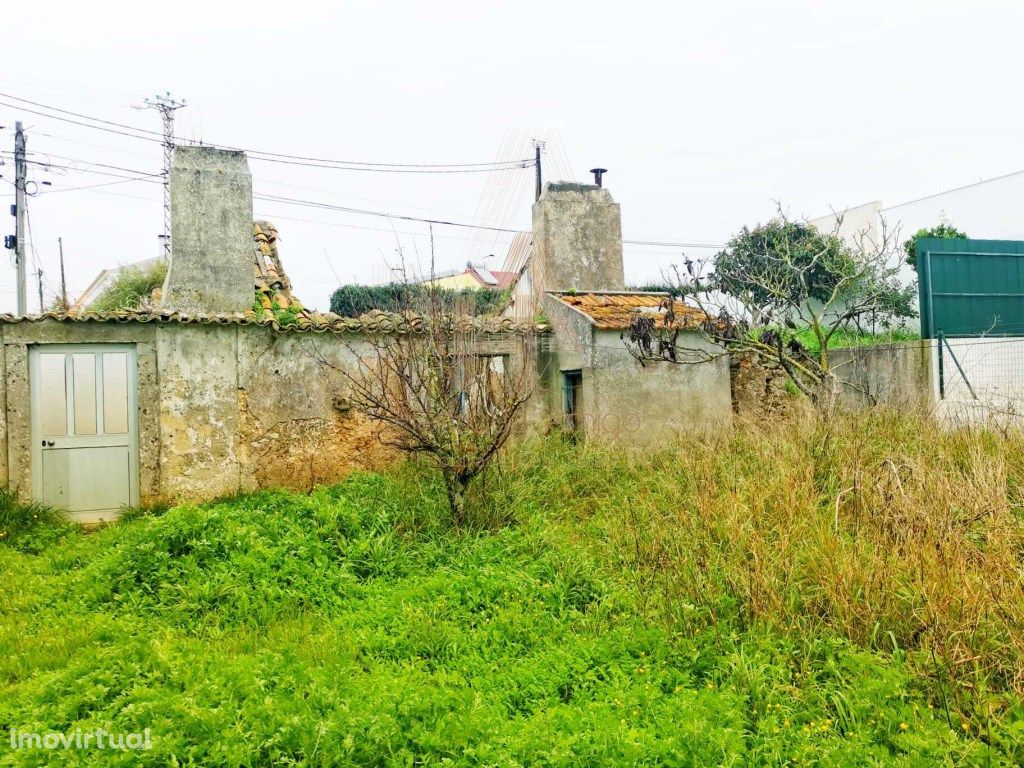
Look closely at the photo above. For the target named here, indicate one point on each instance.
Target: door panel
(52, 398)
(85, 455)
(87, 479)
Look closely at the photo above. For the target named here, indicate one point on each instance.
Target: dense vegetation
(841, 593)
(356, 300)
(131, 288)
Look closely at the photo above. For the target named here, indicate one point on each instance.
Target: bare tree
(437, 391)
(772, 284)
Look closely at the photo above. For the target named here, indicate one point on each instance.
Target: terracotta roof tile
(615, 310)
(273, 288)
(317, 322)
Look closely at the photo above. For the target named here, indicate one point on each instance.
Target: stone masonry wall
(222, 409)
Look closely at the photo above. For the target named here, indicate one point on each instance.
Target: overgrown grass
(830, 594)
(29, 527)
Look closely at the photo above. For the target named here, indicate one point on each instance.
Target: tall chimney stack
(211, 267)
(577, 241)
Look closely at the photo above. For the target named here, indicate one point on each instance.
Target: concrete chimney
(211, 267)
(577, 241)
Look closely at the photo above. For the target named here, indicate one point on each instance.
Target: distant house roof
(615, 310)
(481, 276)
(519, 252)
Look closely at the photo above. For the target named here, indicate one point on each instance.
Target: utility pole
(63, 281)
(537, 147)
(166, 106)
(39, 281)
(20, 178)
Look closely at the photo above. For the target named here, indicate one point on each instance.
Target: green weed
(827, 594)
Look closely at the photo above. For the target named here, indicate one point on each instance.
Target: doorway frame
(35, 433)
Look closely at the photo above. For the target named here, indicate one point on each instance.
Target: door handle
(47, 443)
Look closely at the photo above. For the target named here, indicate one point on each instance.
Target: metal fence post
(942, 376)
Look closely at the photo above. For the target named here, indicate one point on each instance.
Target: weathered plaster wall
(222, 409)
(628, 404)
(198, 410)
(895, 375)
(244, 407)
(634, 404)
(570, 350)
(295, 429)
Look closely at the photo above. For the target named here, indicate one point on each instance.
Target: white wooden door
(84, 428)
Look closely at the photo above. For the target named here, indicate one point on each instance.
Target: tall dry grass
(903, 536)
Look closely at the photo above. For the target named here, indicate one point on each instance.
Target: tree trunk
(826, 395)
(456, 489)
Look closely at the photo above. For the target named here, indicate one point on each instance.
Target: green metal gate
(971, 287)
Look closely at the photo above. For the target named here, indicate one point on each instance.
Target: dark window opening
(572, 383)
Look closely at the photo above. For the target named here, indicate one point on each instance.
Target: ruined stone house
(219, 388)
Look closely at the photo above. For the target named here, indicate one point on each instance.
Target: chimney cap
(598, 173)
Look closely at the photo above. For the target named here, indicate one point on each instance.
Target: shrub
(131, 288)
(941, 232)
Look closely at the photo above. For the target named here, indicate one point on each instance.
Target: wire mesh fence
(980, 379)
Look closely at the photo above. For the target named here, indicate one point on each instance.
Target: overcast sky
(704, 114)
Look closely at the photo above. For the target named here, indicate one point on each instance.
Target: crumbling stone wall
(295, 428)
(222, 408)
(759, 389)
(893, 375)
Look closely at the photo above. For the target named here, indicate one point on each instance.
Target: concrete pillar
(211, 267)
(577, 241)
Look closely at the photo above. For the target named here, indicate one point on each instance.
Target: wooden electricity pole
(39, 281)
(63, 281)
(20, 178)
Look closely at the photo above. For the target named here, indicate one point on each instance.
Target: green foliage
(28, 527)
(613, 620)
(940, 232)
(283, 317)
(355, 300)
(131, 288)
(766, 263)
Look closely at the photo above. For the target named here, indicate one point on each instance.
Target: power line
(87, 162)
(518, 165)
(382, 214)
(74, 169)
(93, 186)
(666, 244)
(275, 156)
(146, 176)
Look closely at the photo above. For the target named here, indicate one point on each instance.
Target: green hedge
(355, 300)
